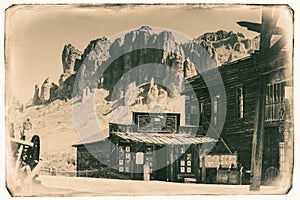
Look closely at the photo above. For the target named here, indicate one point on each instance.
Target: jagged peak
(219, 35)
(101, 40)
(167, 33)
(94, 43)
(145, 28)
(71, 48)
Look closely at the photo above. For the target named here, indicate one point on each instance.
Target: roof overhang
(164, 138)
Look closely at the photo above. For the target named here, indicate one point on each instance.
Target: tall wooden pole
(267, 28)
(258, 135)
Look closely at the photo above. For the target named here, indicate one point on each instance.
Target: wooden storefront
(154, 147)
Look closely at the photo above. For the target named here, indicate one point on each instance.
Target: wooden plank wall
(237, 132)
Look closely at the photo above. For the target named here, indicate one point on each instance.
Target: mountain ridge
(141, 46)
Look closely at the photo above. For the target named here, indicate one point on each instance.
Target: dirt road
(77, 186)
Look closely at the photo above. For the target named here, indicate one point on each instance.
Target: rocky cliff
(229, 46)
(70, 58)
(104, 63)
(136, 48)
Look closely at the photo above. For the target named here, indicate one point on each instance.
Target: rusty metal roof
(164, 138)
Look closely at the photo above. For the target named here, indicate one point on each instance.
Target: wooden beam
(266, 31)
(257, 27)
(258, 135)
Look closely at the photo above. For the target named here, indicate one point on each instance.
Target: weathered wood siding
(237, 132)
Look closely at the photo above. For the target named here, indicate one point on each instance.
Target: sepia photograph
(148, 99)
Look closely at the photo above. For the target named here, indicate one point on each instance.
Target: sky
(36, 34)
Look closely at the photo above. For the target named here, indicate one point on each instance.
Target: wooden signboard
(157, 123)
(225, 160)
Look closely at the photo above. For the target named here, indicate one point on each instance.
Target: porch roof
(164, 138)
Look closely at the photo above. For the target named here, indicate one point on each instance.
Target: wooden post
(203, 177)
(167, 154)
(258, 135)
(153, 175)
(171, 154)
(196, 167)
(267, 23)
(266, 29)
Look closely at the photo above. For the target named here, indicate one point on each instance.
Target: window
(240, 102)
(188, 170)
(182, 163)
(201, 107)
(216, 104)
(182, 169)
(215, 108)
(182, 149)
(124, 158)
(281, 155)
(121, 169)
(275, 101)
(186, 163)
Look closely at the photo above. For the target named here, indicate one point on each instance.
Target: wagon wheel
(34, 152)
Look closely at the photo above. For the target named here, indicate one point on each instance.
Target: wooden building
(153, 147)
(240, 79)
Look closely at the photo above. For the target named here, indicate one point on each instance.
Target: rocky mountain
(103, 63)
(229, 46)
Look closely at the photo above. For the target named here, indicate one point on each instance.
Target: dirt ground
(76, 186)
